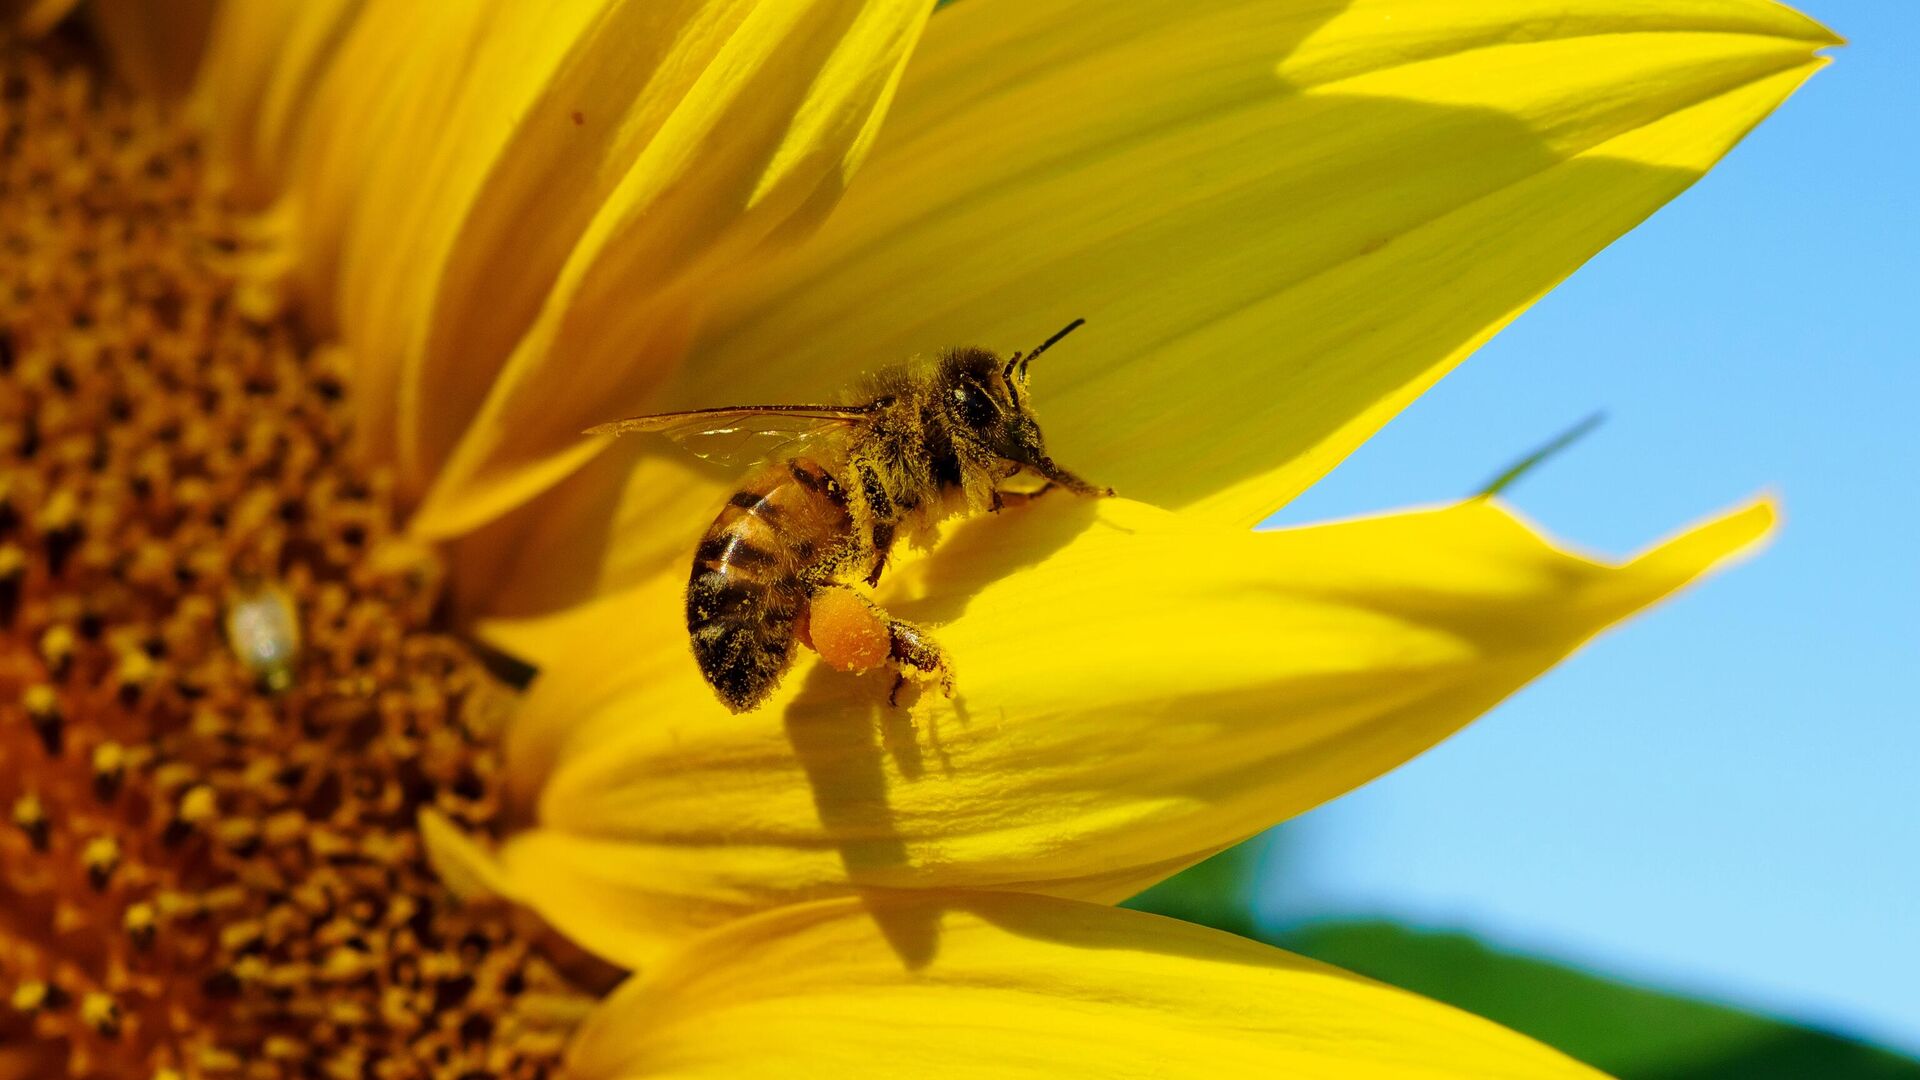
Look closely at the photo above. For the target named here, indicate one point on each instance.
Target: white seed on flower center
(264, 632)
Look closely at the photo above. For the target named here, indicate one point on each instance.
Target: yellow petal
(576, 273)
(596, 532)
(1283, 219)
(156, 47)
(462, 864)
(435, 204)
(515, 158)
(32, 18)
(1136, 691)
(264, 60)
(1018, 986)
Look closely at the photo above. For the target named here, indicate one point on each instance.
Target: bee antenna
(1047, 344)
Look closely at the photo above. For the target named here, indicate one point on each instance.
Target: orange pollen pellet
(848, 632)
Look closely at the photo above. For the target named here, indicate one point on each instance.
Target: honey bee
(928, 440)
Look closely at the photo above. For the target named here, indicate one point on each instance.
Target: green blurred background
(1631, 1032)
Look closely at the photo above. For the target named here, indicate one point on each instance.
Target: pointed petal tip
(468, 494)
(1721, 540)
(1800, 26)
(1737, 532)
(467, 869)
(1822, 35)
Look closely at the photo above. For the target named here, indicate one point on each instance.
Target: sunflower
(346, 722)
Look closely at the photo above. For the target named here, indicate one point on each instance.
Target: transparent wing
(739, 434)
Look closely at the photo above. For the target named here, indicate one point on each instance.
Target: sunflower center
(222, 699)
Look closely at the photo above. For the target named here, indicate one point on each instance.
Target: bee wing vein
(739, 433)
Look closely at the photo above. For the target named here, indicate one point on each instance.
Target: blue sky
(1718, 797)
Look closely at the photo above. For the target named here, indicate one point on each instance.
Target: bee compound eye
(976, 408)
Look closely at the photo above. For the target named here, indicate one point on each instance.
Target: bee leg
(1055, 474)
(882, 545)
(1004, 499)
(910, 647)
(880, 506)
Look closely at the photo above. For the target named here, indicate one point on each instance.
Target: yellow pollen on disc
(28, 996)
(39, 701)
(223, 698)
(101, 1013)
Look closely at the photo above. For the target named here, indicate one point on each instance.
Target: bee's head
(987, 396)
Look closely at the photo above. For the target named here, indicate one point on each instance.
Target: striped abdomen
(752, 576)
